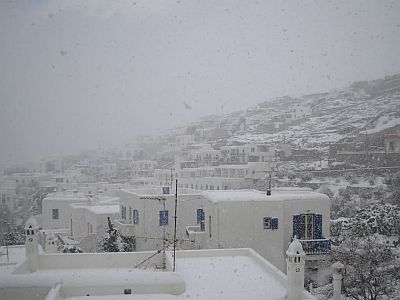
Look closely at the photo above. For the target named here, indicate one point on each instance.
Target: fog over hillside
(77, 73)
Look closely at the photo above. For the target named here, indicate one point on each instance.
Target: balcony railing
(316, 247)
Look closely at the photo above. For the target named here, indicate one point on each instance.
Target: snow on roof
(114, 280)
(253, 195)
(151, 192)
(79, 197)
(204, 274)
(384, 122)
(31, 223)
(104, 209)
(295, 248)
(65, 196)
(235, 274)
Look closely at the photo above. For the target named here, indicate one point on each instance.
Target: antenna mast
(176, 208)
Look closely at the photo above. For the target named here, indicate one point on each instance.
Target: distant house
(392, 143)
(300, 111)
(57, 208)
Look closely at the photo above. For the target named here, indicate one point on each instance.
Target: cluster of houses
(208, 219)
(206, 274)
(380, 149)
(287, 230)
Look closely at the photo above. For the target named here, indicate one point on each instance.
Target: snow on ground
(213, 274)
(228, 277)
(383, 123)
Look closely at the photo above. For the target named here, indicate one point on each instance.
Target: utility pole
(164, 235)
(175, 217)
(269, 183)
(171, 180)
(366, 139)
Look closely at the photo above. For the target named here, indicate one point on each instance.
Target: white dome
(31, 223)
(295, 248)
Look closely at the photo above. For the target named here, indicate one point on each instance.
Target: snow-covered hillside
(372, 106)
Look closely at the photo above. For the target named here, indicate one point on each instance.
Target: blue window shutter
(274, 223)
(318, 227)
(163, 217)
(297, 226)
(200, 215)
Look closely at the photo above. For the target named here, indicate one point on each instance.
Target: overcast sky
(76, 72)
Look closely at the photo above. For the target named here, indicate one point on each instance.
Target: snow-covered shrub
(72, 249)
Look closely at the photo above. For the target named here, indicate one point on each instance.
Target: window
(267, 223)
(270, 223)
(135, 216)
(201, 218)
(274, 223)
(123, 212)
(89, 228)
(200, 215)
(307, 226)
(55, 214)
(130, 214)
(165, 190)
(163, 217)
(127, 291)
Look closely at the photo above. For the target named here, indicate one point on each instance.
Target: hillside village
(337, 154)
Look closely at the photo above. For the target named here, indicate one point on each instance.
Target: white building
(392, 143)
(298, 112)
(204, 274)
(91, 219)
(8, 198)
(223, 177)
(143, 168)
(57, 209)
(247, 153)
(230, 219)
(203, 155)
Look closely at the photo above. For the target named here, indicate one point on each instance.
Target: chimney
(32, 243)
(337, 280)
(295, 270)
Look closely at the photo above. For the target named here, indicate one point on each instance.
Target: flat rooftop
(200, 274)
(278, 194)
(79, 197)
(254, 195)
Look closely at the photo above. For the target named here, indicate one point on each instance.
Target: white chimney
(295, 270)
(337, 280)
(32, 243)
